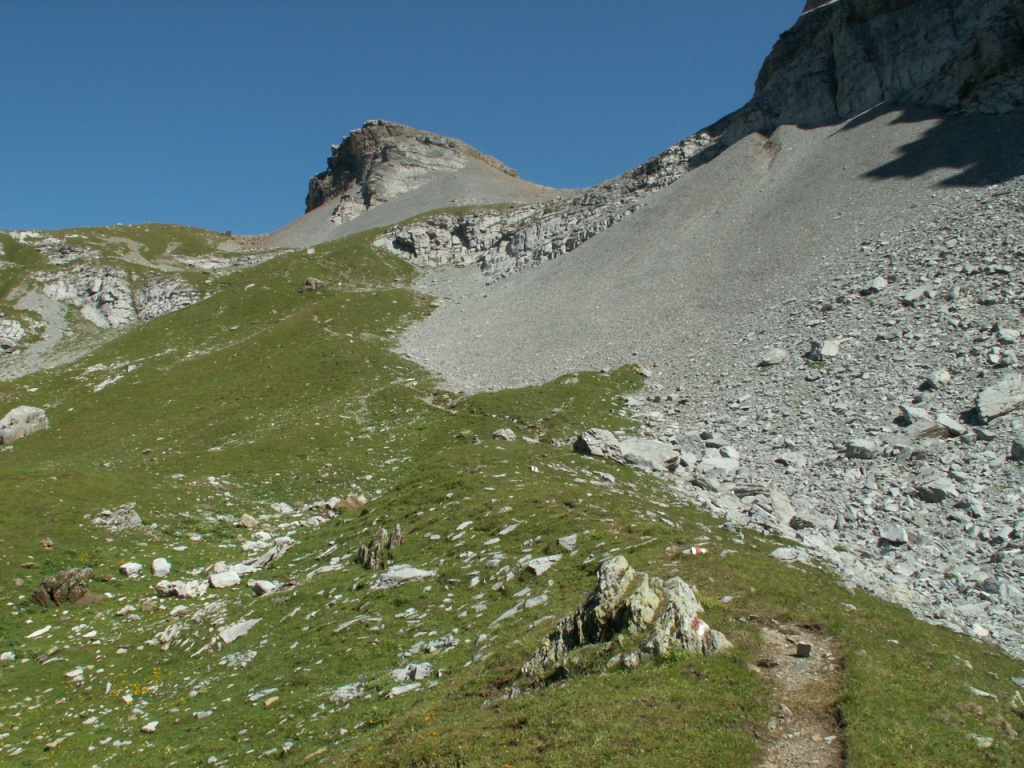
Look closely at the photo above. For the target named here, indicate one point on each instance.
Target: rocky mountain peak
(381, 160)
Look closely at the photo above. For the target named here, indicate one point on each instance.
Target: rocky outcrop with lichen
(663, 615)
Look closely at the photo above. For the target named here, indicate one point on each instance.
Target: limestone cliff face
(848, 56)
(841, 58)
(381, 160)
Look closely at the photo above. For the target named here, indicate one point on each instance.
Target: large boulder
(599, 442)
(124, 518)
(663, 615)
(1004, 397)
(649, 454)
(67, 587)
(22, 421)
(11, 333)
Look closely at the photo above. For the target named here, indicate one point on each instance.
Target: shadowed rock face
(854, 54)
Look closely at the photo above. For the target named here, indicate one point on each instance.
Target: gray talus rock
(1004, 397)
(64, 588)
(630, 603)
(400, 574)
(11, 332)
(121, 519)
(920, 424)
(22, 421)
(103, 294)
(773, 357)
(649, 454)
(861, 449)
(934, 488)
(599, 442)
(823, 350)
(162, 294)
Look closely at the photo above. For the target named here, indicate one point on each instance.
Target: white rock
(568, 542)
(400, 573)
(541, 565)
(21, 422)
(131, 570)
(161, 568)
(232, 632)
(224, 579)
(773, 357)
(264, 587)
(150, 727)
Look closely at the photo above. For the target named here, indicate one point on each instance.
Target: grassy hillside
(262, 395)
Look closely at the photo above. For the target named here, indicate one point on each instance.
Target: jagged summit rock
(384, 172)
(382, 160)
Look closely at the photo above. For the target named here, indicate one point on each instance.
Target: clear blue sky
(215, 113)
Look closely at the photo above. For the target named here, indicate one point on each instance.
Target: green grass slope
(261, 395)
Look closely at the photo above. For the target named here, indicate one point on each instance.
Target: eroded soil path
(805, 728)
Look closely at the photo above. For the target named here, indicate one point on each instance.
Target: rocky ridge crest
(382, 160)
(839, 60)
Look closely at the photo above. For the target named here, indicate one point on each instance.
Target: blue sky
(215, 113)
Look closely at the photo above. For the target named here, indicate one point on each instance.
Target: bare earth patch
(805, 728)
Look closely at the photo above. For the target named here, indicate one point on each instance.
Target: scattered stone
(773, 357)
(312, 284)
(628, 603)
(823, 350)
(504, 434)
(7, 656)
(599, 442)
(1004, 397)
(247, 521)
(652, 455)
(541, 565)
(400, 574)
(67, 587)
(568, 542)
(375, 555)
(877, 285)
(861, 449)
(161, 568)
(131, 570)
(151, 726)
(232, 632)
(263, 587)
(225, 579)
(182, 589)
(21, 422)
(123, 518)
